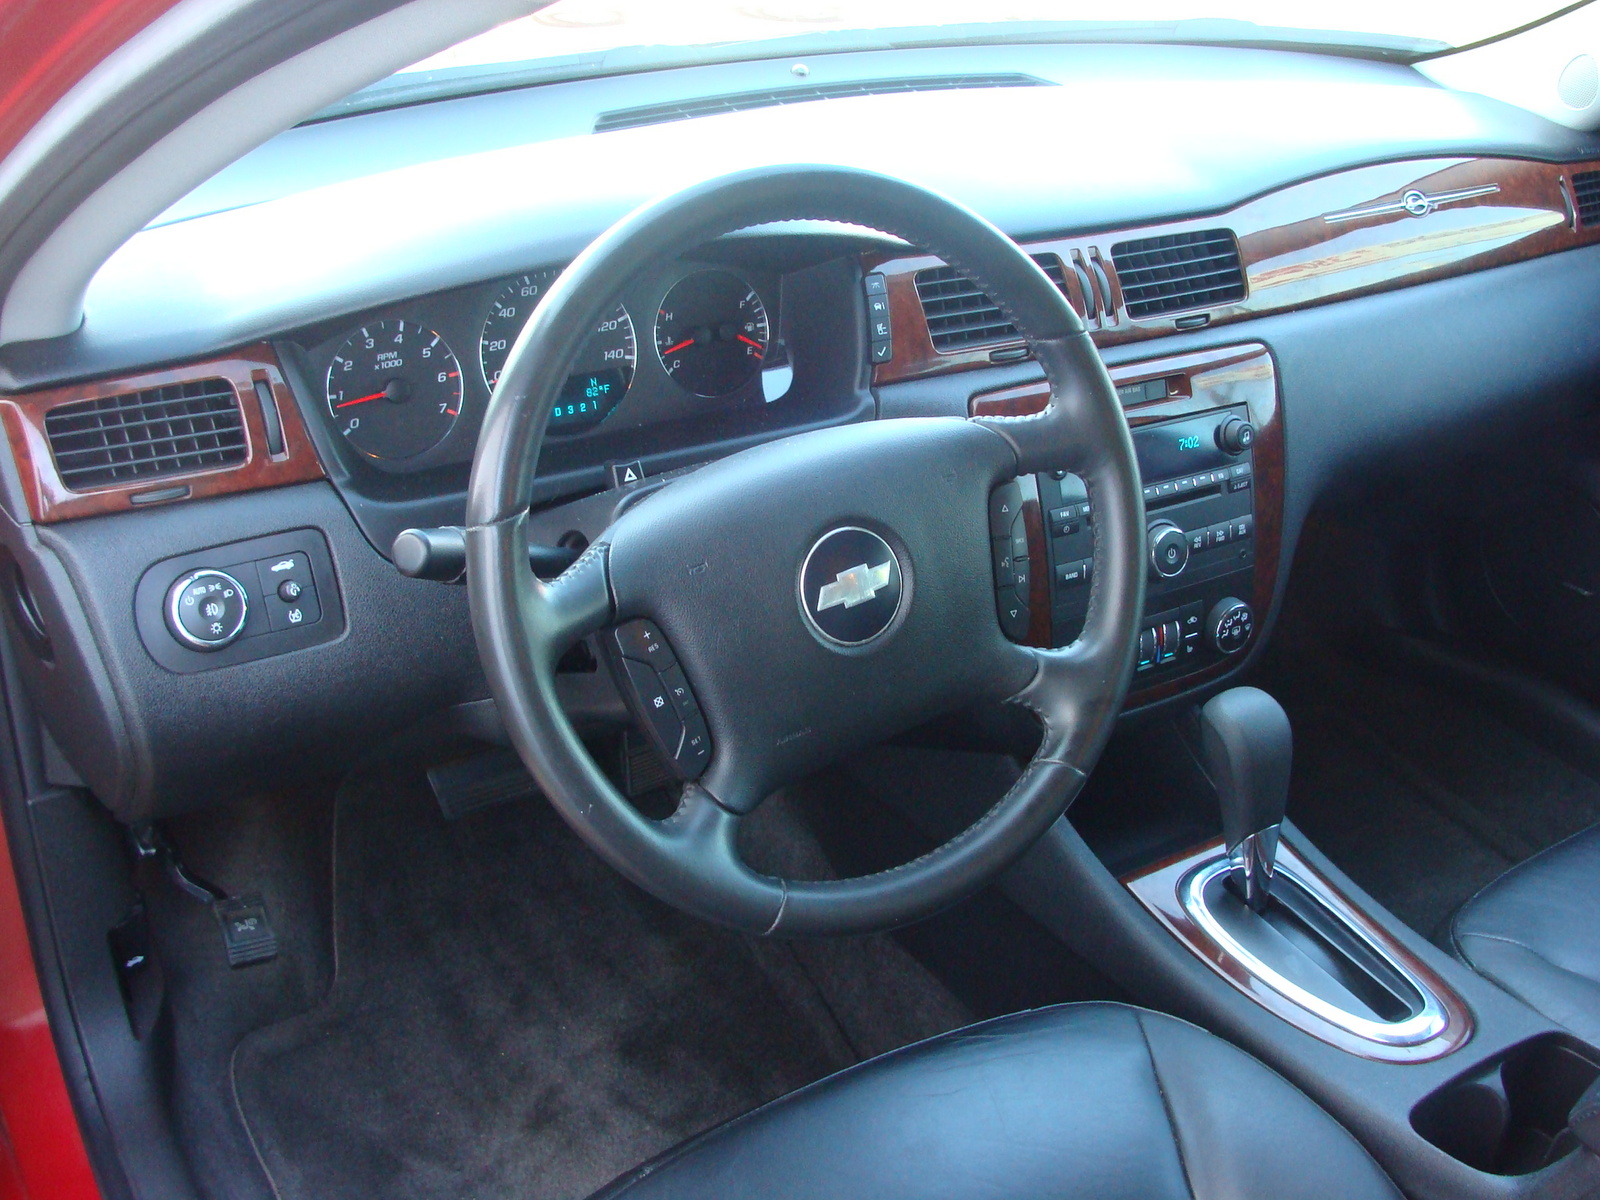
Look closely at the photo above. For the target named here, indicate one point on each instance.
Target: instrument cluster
(404, 388)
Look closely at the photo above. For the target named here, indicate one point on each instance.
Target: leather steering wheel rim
(928, 479)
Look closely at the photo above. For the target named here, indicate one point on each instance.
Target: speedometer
(601, 372)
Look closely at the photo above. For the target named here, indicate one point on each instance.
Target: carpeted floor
(509, 1018)
(1416, 789)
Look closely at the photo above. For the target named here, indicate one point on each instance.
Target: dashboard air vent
(1586, 191)
(160, 431)
(1182, 270)
(683, 110)
(959, 315)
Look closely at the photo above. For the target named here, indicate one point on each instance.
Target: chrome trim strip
(1413, 1031)
(1418, 204)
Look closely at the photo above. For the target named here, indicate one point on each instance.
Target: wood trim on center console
(1156, 887)
(1343, 235)
(51, 500)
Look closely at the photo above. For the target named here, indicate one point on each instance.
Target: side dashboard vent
(1586, 191)
(960, 315)
(659, 114)
(170, 430)
(1167, 274)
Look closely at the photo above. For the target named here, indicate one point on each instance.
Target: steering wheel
(797, 652)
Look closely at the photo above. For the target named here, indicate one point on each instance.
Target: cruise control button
(642, 642)
(677, 686)
(695, 751)
(657, 706)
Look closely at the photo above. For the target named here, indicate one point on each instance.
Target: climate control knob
(1235, 435)
(1169, 549)
(207, 609)
(1229, 625)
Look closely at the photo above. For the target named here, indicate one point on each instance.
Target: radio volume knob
(1169, 549)
(1235, 435)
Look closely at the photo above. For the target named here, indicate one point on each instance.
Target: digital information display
(1180, 448)
(587, 398)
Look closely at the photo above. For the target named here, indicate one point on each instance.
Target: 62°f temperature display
(711, 333)
(394, 389)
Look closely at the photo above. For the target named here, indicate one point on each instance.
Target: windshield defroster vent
(683, 110)
(1586, 191)
(170, 430)
(1179, 271)
(958, 313)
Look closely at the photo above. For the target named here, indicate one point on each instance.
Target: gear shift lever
(1247, 746)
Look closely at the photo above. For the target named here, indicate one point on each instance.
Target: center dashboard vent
(170, 430)
(1177, 271)
(958, 312)
(683, 110)
(1586, 191)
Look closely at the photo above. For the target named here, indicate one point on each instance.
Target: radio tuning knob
(1235, 435)
(1169, 549)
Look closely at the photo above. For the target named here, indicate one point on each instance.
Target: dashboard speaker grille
(170, 430)
(1586, 191)
(960, 315)
(1182, 270)
(658, 114)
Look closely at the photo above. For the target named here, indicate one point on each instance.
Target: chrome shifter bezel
(1427, 1024)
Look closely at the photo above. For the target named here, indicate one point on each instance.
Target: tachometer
(394, 389)
(601, 372)
(711, 332)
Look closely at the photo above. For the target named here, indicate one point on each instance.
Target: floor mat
(510, 1018)
(1418, 792)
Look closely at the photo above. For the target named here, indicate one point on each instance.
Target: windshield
(579, 38)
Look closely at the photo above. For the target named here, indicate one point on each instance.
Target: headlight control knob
(207, 609)
(1169, 549)
(1229, 625)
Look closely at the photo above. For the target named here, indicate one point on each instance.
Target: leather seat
(1082, 1100)
(1534, 932)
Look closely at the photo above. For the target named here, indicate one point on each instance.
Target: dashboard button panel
(270, 595)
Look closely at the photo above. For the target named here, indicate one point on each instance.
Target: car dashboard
(293, 366)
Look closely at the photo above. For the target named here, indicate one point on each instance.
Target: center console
(1210, 451)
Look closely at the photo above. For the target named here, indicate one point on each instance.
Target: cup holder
(1509, 1115)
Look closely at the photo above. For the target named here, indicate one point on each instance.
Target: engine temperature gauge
(711, 333)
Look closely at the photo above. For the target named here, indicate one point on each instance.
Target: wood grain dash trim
(50, 500)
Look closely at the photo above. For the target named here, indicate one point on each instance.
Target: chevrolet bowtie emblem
(855, 586)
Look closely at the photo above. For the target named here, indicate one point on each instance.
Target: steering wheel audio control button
(207, 609)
